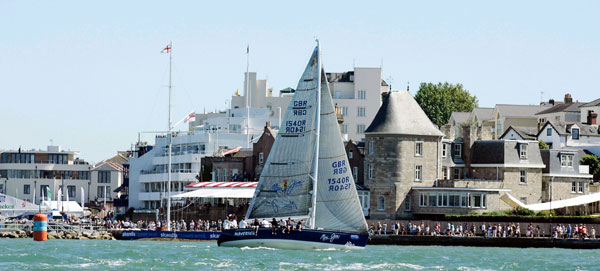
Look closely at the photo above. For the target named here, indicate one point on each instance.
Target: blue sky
(90, 76)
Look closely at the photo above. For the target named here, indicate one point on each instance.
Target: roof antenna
(390, 79)
(541, 97)
(408, 86)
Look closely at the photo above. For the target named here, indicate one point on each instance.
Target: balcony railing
(164, 171)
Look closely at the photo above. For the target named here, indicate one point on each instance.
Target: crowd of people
(491, 230)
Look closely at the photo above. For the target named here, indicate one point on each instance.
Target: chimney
(268, 124)
(591, 117)
(551, 101)
(568, 99)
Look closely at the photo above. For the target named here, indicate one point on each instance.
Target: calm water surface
(25, 254)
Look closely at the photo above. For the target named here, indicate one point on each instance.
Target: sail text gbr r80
(307, 177)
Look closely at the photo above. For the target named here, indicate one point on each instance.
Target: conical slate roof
(401, 114)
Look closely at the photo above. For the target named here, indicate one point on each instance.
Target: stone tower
(403, 149)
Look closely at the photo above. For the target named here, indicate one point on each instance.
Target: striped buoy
(40, 227)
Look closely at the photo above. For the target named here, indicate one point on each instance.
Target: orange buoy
(40, 227)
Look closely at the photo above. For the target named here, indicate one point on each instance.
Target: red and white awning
(231, 151)
(238, 190)
(220, 184)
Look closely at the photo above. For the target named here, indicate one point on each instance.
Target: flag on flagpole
(48, 194)
(82, 202)
(190, 117)
(167, 49)
(34, 195)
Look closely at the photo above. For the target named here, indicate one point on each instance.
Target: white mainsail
(285, 187)
(338, 207)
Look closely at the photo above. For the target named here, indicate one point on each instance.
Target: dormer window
(575, 133)
(523, 151)
(566, 160)
(549, 131)
(350, 154)
(457, 150)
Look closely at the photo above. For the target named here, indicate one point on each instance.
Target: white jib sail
(338, 207)
(284, 188)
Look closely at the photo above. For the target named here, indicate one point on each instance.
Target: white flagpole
(82, 197)
(169, 140)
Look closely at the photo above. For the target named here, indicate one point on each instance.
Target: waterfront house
(563, 177)
(25, 172)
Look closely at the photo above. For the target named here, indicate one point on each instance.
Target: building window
(26, 189)
(350, 154)
(71, 191)
(580, 187)
(407, 203)
(103, 176)
(371, 173)
(381, 203)
(360, 128)
(523, 200)
(423, 199)
(549, 131)
(457, 150)
(371, 146)
(523, 176)
(261, 158)
(445, 173)
(344, 128)
(575, 133)
(361, 111)
(456, 174)
(419, 148)
(355, 173)
(523, 151)
(101, 191)
(362, 94)
(216, 175)
(418, 173)
(444, 150)
(344, 111)
(573, 187)
(478, 200)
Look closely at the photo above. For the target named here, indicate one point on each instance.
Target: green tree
(543, 145)
(592, 161)
(439, 101)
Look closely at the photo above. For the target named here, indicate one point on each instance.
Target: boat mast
(169, 139)
(248, 96)
(317, 132)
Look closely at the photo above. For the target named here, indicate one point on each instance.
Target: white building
(148, 172)
(106, 177)
(24, 173)
(357, 93)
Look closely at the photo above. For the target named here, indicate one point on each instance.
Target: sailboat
(306, 177)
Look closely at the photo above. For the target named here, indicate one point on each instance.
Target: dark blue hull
(305, 239)
(192, 235)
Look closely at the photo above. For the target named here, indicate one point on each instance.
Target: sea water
(25, 254)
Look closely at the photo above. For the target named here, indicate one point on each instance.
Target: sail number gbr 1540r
(339, 183)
